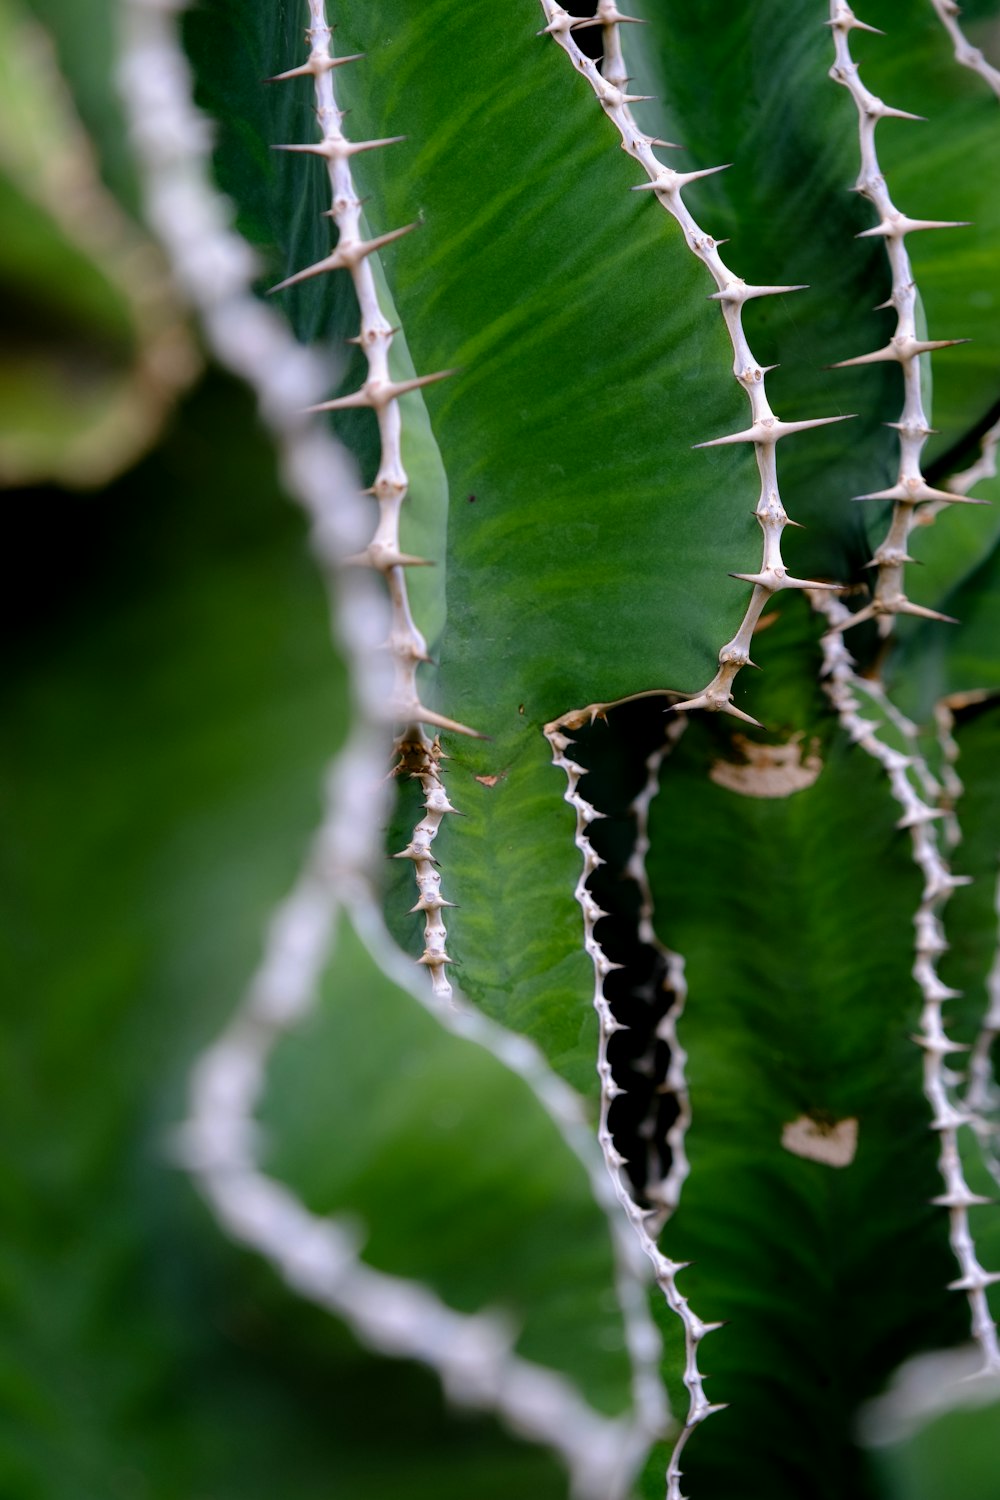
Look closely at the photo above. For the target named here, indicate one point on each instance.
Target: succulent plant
(672, 1055)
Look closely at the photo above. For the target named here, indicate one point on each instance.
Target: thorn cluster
(420, 755)
(847, 691)
(969, 56)
(646, 1223)
(904, 348)
(422, 763)
(732, 293)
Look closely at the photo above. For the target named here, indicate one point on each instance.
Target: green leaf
(954, 546)
(957, 659)
(607, 537)
(582, 549)
(946, 172)
(800, 1008)
(85, 34)
(791, 135)
(507, 1223)
(955, 1455)
(171, 709)
(937, 1441)
(95, 349)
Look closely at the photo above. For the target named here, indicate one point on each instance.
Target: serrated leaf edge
(319, 1257)
(850, 694)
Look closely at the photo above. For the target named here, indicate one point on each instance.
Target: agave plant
(671, 1057)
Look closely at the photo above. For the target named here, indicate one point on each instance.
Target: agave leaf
(787, 201)
(944, 169)
(954, 546)
(799, 1010)
(415, 1125)
(582, 551)
(579, 521)
(174, 704)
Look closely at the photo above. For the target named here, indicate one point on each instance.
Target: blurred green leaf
(95, 345)
(955, 1454)
(403, 1136)
(800, 1009)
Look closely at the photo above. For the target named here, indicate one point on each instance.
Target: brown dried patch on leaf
(833, 1143)
(490, 780)
(769, 770)
(959, 701)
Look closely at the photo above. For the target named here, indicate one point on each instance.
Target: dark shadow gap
(614, 753)
(589, 39)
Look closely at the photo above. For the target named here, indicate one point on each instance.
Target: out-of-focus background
(170, 697)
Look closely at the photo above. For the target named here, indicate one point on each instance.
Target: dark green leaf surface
(785, 205)
(971, 915)
(953, 547)
(938, 661)
(945, 168)
(800, 1003)
(973, 930)
(791, 135)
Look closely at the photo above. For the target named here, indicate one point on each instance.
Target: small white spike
(896, 225)
(336, 148)
(378, 393)
(669, 181)
(313, 67)
(772, 430)
(738, 292)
